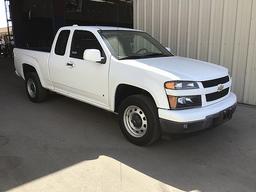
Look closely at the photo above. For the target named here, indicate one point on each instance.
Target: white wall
(218, 31)
(2, 15)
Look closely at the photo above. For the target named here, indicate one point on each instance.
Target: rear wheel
(139, 120)
(35, 92)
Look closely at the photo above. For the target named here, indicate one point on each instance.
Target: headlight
(184, 102)
(181, 85)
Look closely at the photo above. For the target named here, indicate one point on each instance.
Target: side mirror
(168, 49)
(93, 55)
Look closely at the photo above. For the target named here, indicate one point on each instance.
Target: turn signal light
(172, 101)
(170, 85)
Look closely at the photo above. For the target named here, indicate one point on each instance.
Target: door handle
(70, 64)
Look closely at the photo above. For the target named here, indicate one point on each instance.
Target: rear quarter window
(61, 43)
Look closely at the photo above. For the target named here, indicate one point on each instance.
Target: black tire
(39, 93)
(148, 107)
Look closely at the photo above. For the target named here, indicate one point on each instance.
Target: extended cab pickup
(127, 72)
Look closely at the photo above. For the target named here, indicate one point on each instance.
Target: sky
(2, 14)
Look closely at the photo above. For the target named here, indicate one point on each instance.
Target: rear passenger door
(89, 80)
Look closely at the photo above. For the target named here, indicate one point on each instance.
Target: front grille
(217, 95)
(215, 82)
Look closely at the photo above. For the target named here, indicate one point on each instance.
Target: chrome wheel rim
(31, 87)
(135, 121)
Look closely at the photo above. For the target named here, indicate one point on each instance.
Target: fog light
(184, 102)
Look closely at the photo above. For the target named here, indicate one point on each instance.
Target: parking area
(40, 140)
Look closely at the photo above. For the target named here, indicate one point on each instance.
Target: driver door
(89, 79)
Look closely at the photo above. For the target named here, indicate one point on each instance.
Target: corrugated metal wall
(218, 31)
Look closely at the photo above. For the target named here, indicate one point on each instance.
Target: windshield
(133, 45)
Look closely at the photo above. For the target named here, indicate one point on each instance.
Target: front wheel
(138, 118)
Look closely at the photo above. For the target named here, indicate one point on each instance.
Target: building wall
(218, 31)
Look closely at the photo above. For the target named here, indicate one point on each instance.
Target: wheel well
(123, 91)
(28, 69)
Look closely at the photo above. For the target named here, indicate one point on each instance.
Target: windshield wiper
(155, 55)
(131, 57)
(144, 56)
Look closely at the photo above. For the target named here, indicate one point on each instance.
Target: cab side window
(81, 41)
(61, 43)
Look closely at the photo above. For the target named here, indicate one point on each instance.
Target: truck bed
(38, 59)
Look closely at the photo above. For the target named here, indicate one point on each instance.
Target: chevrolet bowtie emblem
(220, 87)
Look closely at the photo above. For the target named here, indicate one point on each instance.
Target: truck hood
(182, 68)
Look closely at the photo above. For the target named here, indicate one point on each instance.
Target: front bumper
(198, 119)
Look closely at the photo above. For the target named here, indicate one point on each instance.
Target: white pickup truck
(127, 72)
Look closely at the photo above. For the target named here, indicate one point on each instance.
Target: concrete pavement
(66, 145)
